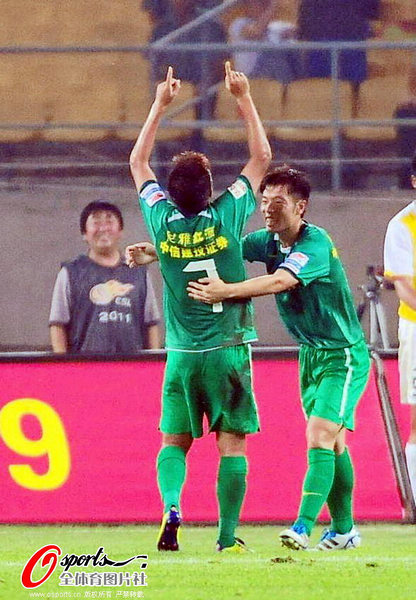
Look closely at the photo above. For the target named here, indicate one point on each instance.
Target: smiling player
(316, 305)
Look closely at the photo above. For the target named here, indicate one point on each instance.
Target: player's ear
(301, 206)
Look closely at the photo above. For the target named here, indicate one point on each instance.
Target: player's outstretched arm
(142, 253)
(258, 144)
(140, 155)
(211, 291)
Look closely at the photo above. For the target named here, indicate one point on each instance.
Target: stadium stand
(22, 25)
(377, 100)
(106, 92)
(386, 62)
(73, 23)
(268, 97)
(171, 134)
(136, 97)
(313, 99)
(85, 92)
(133, 75)
(20, 72)
(398, 10)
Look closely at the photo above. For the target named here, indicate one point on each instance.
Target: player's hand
(142, 253)
(207, 290)
(167, 91)
(236, 82)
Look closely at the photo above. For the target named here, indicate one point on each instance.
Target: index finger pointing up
(169, 75)
(227, 68)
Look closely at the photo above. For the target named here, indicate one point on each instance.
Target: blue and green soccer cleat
(168, 534)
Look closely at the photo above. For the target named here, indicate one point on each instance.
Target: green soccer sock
(171, 472)
(340, 496)
(231, 489)
(316, 486)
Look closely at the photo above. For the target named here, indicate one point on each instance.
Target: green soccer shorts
(216, 383)
(332, 381)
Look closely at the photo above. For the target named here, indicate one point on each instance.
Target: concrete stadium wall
(39, 229)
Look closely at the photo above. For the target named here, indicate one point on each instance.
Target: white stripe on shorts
(345, 389)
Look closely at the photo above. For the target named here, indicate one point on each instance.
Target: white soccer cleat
(295, 537)
(331, 540)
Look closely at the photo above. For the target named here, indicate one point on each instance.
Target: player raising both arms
(208, 369)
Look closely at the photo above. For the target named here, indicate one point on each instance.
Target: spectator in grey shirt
(99, 305)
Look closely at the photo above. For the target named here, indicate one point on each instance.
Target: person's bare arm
(258, 144)
(142, 150)
(404, 289)
(153, 337)
(211, 291)
(59, 338)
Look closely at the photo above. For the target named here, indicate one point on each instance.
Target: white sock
(411, 465)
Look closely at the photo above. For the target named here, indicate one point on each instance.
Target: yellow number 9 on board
(52, 443)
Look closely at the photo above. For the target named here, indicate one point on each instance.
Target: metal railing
(336, 159)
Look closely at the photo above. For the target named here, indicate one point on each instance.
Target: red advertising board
(79, 440)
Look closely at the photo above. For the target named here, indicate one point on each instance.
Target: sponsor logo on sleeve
(296, 261)
(152, 194)
(238, 188)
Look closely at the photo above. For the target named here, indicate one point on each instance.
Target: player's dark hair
(190, 182)
(297, 182)
(97, 206)
(414, 163)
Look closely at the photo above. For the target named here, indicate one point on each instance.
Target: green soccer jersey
(207, 244)
(319, 312)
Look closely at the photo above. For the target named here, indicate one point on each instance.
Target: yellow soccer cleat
(239, 547)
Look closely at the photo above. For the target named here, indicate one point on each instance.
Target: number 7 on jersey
(209, 266)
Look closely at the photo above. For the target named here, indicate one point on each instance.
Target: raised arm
(258, 144)
(142, 150)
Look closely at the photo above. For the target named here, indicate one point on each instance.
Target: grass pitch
(384, 568)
